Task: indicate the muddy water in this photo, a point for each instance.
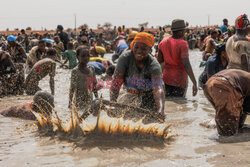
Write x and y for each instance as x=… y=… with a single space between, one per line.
x=194 y=145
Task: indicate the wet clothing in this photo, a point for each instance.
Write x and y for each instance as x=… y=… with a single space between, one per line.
x=138 y=81
x=174 y=50
x=41 y=69
x=11 y=80
x=17 y=53
x=7 y=66
x=71 y=56
x=173 y=91
x=229 y=91
x=34 y=56
x=235 y=47
x=80 y=85
x=213 y=66
x=99 y=67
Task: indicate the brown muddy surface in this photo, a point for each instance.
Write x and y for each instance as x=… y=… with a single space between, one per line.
x=21 y=144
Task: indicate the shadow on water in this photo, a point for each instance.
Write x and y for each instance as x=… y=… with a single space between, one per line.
x=242 y=136
x=106 y=142
x=180 y=100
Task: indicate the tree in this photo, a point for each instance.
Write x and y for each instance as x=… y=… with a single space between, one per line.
x=145 y=25
x=28 y=28
x=107 y=25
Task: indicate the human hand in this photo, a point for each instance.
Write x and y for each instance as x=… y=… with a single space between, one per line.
x=70 y=105
x=161 y=115
x=195 y=90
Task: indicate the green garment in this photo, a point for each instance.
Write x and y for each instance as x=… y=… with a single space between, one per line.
x=71 y=56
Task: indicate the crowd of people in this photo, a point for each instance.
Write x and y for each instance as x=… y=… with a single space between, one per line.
x=148 y=78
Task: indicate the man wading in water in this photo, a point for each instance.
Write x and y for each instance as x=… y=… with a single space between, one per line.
x=42 y=102
x=229 y=90
x=173 y=51
x=141 y=73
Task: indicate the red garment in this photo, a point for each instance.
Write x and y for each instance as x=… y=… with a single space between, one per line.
x=241 y=22
x=173 y=50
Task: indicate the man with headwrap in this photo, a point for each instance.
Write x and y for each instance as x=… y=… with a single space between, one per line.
x=18 y=55
x=141 y=74
x=229 y=90
x=238 y=46
x=16 y=51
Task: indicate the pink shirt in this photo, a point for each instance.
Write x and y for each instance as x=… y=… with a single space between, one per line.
x=173 y=50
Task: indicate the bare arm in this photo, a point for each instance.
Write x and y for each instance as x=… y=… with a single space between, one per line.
x=160 y=57
x=159 y=95
x=214 y=43
x=116 y=85
x=52 y=80
x=19 y=111
x=190 y=73
x=52 y=85
x=70 y=97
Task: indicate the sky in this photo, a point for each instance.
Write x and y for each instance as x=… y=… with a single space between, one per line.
x=40 y=14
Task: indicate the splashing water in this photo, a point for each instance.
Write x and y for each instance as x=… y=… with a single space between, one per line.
x=103 y=126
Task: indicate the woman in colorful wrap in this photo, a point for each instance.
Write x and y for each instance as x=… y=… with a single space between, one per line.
x=141 y=74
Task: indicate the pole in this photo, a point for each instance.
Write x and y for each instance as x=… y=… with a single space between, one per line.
x=75 y=24
x=208 y=20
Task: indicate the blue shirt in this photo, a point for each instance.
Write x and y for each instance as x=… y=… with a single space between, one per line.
x=121 y=48
x=99 y=67
x=213 y=66
x=223 y=28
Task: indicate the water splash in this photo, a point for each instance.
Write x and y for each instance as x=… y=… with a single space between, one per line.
x=104 y=126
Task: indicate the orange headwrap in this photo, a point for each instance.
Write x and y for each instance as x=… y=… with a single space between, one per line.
x=145 y=38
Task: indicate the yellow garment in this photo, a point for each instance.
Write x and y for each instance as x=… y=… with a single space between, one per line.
x=132 y=35
x=59 y=48
x=145 y=38
x=100 y=50
x=95 y=58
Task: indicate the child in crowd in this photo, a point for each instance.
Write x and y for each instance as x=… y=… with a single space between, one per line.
x=83 y=81
x=109 y=73
x=42 y=68
x=70 y=55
